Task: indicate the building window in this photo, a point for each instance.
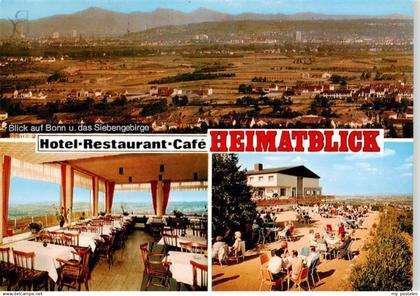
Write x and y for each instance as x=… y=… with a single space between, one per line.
x=271 y=178
x=251 y=179
x=260 y=179
x=260 y=192
x=282 y=191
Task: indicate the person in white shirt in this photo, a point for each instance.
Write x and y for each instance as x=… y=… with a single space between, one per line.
x=219 y=244
x=275 y=265
x=313 y=255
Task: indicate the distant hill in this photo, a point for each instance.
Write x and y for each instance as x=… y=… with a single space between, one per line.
x=101 y=22
x=281 y=29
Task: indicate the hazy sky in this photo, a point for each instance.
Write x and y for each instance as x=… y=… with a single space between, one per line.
x=42 y=8
x=342 y=174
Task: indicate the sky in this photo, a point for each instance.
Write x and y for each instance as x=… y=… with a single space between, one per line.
x=351 y=174
x=25 y=191
x=43 y=8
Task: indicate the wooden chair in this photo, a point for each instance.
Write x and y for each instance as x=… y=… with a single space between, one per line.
x=179 y=228
x=156 y=230
x=44 y=236
x=200 y=271
x=105 y=248
x=57 y=237
x=185 y=246
x=198 y=247
x=303 y=277
x=167 y=230
x=155 y=266
x=71 y=239
x=95 y=228
x=170 y=241
x=75 y=272
x=7 y=269
x=26 y=275
x=268 y=280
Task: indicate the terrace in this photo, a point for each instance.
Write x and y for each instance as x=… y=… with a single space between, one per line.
x=94 y=224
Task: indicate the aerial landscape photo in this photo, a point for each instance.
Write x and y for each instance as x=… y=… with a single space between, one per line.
x=184 y=66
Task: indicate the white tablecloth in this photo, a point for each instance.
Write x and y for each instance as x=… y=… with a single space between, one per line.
x=156 y=220
x=87 y=239
x=181 y=269
x=45 y=257
x=186 y=239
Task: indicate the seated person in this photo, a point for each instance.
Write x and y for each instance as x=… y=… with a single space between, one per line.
x=312 y=239
x=342 y=249
x=237 y=244
x=313 y=255
x=275 y=264
x=295 y=265
x=219 y=244
x=341 y=229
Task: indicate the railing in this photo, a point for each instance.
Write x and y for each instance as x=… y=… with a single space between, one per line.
x=304 y=199
x=20 y=225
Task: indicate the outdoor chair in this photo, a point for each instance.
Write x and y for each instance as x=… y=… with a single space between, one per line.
x=313 y=272
x=57 y=237
x=71 y=239
x=268 y=280
x=199 y=271
x=236 y=254
x=303 y=277
x=170 y=241
x=264 y=258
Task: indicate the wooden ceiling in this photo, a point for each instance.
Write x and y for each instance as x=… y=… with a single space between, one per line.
x=141 y=167
x=146 y=167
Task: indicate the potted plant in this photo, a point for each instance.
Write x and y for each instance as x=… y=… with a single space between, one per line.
x=59 y=215
x=82 y=217
x=101 y=213
x=178 y=214
x=124 y=212
x=35 y=227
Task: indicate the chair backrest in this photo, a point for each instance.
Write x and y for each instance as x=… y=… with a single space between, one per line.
x=43 y=235
x=71 y=239
x=57 y=237
x=198 y=247
x=199 y=272
x=96 y=228
x=329 y=228
x=167 y=230
x=185 y=246
x=179 y=229
x=23 y=260
x=264 y=258
x=170 y=240
x=4 y=255
x=304 y=273
x=266 y=274
x=242 y=247
x=291 y=229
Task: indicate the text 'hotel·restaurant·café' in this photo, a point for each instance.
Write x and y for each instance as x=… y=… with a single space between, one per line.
x=67 y=226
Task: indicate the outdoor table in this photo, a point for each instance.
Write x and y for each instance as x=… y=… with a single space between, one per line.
x=186 y=239
x=45 y=257
x=181 y=268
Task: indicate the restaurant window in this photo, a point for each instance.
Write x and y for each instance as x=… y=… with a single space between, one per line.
x=32 y=201
x=271 y=178
x=81 y=203
x=132 y=202
x=188 y=202
x=101 y=201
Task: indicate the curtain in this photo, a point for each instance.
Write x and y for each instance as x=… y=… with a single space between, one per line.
x=63 y=186
x=110 y=195
x=166 y=190
x=6 y=189
x=153 y=185
x=71 y=187
x=94 y=197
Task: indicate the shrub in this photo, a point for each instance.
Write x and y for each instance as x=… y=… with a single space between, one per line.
x=389 y=264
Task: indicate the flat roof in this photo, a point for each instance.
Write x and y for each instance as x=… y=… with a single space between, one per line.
x=299 y=171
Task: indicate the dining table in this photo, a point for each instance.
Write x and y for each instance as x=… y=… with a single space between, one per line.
x=181 y=268
x=45 y=257
x=185 y=239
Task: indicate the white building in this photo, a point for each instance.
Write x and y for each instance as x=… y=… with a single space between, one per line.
x=283 y=182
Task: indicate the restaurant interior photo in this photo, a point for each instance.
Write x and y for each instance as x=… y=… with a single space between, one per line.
x=102 y=222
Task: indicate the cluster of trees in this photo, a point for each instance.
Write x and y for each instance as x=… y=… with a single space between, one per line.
x=245 y=89
x=321 y=106
x=389 y=260
x=232 y=207
x=154 y=108
x=180 y=101
x=191 y=77
x=388 y=103
x=337 y=79
x=263 y=79
x=58 y=77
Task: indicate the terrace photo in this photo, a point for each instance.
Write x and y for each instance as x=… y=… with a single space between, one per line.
x=313 y=222
x=101 y=222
